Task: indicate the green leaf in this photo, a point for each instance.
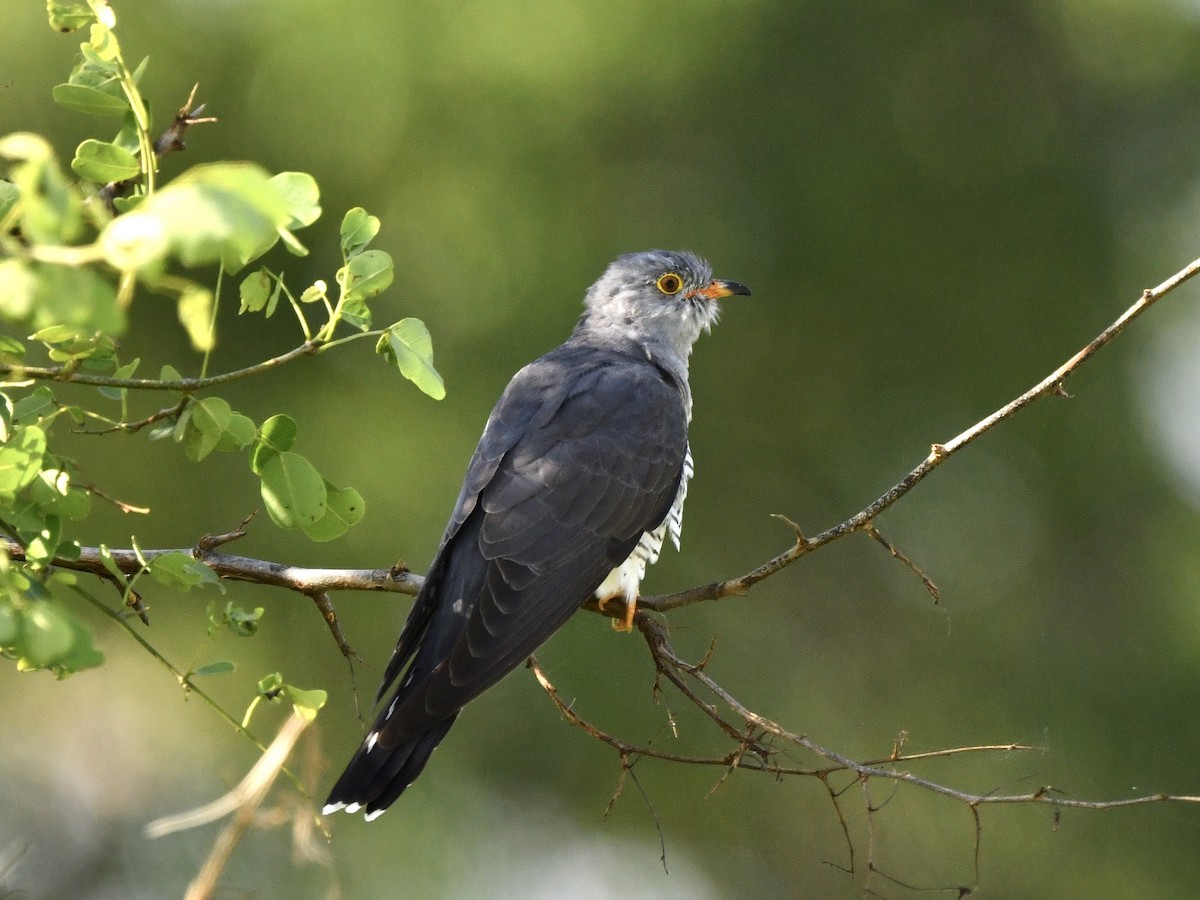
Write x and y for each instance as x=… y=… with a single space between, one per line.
x=220 y=667
x=10 y=195
x=358 y=229
x=277 y=434
x=133 y=242
x=39 y=549
x=344 y=507
x=100 y=162
x=292 y=490
x=366 y=275
x=9 y=625
x=33 y=406
x=292 y=244
x=125 y=371
x=227 y=212
x=241 y=622
x=78 y=299
x=306 y=703
x=110 y=565
x=211 y=415
x=89 y=100
x=26 y=146
x=315 y=292
x=21 y=459
x=407 y=344
x=127 y=137
x=69 y=16
x=56 y=334
x=240 y=432
x=208 y=420
x=82 y=655
x=54 y=494
x=52 y=209
x=10 y=347
x=181 y=572
x=300 y=195
x=46 y=635
x=269 y=686
x=255 y=291
x=18 y=288
x=196 y=315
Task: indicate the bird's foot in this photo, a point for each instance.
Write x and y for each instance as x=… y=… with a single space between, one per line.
x=625 y=623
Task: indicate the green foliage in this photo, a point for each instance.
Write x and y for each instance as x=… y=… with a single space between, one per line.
x=233 y=617
x=274 y=689
x=82 y=248
x=103 y=162
x=182 y=572
x=408 y=345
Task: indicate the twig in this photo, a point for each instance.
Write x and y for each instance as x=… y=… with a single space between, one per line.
x=168 y=142
x=65 y=373
x=170 y=412
x=119 y=504
x=329 y=614
x=664 y=655
x=870 y=529
x=243 y=801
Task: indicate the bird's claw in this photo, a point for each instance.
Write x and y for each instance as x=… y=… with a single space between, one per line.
x=624 y=623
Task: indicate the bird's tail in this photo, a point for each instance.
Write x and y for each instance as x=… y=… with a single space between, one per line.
x=377 y=775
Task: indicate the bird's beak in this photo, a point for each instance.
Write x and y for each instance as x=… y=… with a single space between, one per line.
x=718 y=288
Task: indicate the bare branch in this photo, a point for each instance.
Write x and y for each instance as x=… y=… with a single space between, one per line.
x=307 y=581
x=939 y=453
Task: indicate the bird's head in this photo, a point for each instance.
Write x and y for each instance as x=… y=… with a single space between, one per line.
x=663 y=297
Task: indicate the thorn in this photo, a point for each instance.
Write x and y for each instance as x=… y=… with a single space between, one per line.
x=934 y=591
x=800 y=538
x=325 y=605
x=210 y=542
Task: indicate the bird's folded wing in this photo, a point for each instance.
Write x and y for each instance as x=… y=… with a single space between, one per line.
x=583 y=453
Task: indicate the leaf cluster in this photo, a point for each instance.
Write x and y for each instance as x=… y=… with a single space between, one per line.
x=83 y=247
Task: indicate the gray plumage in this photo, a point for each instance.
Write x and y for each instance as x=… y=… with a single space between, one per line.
x=582 y=468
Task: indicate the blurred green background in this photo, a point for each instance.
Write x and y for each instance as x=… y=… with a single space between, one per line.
x=934 y=202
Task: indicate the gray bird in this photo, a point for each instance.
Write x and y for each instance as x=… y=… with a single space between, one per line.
x=580 y=474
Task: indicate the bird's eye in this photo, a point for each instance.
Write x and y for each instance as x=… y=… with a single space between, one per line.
x=670 y=283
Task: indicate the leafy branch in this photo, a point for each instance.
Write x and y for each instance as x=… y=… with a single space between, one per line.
x=76 y=256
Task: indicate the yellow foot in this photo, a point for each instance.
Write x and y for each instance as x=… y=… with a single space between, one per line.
x=625 y=623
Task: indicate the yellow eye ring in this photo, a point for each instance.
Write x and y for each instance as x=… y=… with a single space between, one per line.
x=669 y=284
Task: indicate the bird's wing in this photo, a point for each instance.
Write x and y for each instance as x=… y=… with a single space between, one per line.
x=582 y=454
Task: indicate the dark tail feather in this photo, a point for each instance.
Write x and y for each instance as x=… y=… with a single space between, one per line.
x=377 y=775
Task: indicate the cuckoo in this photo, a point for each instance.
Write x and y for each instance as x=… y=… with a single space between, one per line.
x=579 y=477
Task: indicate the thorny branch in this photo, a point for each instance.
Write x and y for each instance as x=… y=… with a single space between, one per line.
x=759 y=744
x=168 y=142
x=938 y=454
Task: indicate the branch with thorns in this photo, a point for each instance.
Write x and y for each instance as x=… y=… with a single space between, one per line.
x=169 y=141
